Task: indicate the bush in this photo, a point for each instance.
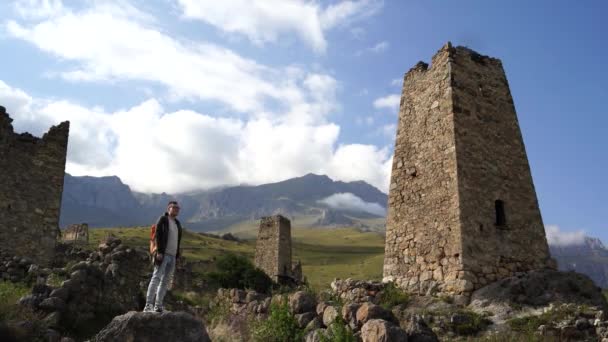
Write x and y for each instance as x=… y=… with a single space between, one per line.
x=470 y=323
x=235 y=271
x=10 y=311
x=280 y=326
x=392 y=295
x=9 y=295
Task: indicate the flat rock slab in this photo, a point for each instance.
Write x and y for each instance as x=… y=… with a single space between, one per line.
x=539 y=288
x=151 y=327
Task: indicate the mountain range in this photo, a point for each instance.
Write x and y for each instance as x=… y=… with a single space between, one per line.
x=108 y=202
x=589 y=257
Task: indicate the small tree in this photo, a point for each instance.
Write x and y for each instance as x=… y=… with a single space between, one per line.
x=234 y=271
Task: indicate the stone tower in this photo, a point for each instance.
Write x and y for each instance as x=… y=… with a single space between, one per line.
x=462 y=206
x=31 y=183
x=273 y=247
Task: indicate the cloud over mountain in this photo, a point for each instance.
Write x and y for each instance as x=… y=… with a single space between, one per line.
x=348 y=201
x=557 y=237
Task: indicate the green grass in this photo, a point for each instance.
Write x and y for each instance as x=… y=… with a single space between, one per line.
x=9 y=295
x=391 y=296
x=531 y=323
x=325 y=253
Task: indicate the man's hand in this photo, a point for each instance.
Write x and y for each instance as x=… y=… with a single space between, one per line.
x=159 y=257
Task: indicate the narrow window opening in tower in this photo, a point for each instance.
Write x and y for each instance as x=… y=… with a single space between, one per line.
x=501 y=219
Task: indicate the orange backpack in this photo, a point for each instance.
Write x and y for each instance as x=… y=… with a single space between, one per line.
x=153 y=246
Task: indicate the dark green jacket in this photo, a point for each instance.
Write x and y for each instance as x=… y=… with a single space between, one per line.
x=162 y=235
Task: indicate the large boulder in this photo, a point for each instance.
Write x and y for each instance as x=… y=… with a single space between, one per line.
x=379 y=330
x=151 y=327
x=302 y=302
x=369 y=311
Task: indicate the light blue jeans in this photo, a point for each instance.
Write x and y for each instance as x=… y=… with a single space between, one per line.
x=160 y=280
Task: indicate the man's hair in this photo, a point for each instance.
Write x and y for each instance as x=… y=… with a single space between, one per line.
x=171 y=202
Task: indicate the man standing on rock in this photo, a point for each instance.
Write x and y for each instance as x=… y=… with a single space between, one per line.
x=168 y=237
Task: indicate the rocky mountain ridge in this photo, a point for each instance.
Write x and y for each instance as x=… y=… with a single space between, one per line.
x=108 y=202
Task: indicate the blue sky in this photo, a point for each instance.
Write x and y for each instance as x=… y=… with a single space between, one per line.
x=231 y=92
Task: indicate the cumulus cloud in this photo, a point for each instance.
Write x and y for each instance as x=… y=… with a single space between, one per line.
x=349 y=201
x=154 y=150
x=116 y=42
x=557 y=237
x=266 y=20
x=284 y=133
x=390 y=101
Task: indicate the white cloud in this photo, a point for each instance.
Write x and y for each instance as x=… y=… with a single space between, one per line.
x=349 y=201
x=354 y=162
x=285 y=134
x=153 y=150
x=397 y=82
x=34 y=9
x=557 y=237
x=378 y=48
x=389 y=101
x=118 y=43
x=266 y=20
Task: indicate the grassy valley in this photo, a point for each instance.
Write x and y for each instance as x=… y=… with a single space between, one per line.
x=325 y=253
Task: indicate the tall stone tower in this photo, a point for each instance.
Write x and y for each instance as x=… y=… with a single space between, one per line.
x=462 y=206
x=273 y=247
x=31 y=183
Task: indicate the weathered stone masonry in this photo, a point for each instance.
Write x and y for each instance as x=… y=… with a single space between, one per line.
x=273 y=247
x=462 y=206
x=31 y=183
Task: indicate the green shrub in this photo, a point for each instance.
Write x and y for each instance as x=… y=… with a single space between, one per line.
x=217 y=313
x=235 y=271
x=55 y=280
x=392 y=295
x=338 y=332
x=473 y=323
x=280 y=326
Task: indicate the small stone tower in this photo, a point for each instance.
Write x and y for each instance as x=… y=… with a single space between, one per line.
x=273 y=247
x=31 y=183
x=462 y=206
x=77 y=234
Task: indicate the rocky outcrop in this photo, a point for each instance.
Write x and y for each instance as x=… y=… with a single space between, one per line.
x=538 y=289
x=152 y=327
x=108 y=282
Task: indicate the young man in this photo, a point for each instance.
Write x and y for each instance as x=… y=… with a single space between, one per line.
x=168 y=238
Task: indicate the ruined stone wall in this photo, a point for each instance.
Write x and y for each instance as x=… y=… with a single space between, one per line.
x=31 y=183
x=273 y=246
x=458 y=150
x=77 y=233
x=422 y=231
x=493 y=166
